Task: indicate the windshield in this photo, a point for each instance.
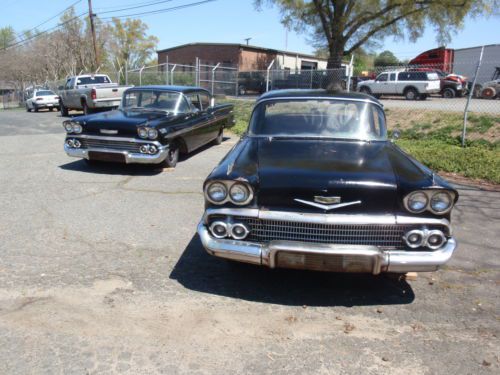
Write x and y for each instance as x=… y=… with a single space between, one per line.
x=155 y=100
x=44 y=93
x=326 y=118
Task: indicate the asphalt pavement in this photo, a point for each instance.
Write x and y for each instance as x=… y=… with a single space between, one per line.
x=101 y=272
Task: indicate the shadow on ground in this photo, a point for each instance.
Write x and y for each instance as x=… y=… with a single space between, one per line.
x=111 y=168
x=196 y=270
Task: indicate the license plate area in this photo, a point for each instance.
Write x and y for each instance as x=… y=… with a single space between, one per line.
x=107 y=156
x=325 y=262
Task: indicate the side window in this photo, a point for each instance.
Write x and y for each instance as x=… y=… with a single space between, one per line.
x=68 y=84
x=205 y=100
x=382 y=77
x=392 y=77
x=195 y=101
x=403 y=76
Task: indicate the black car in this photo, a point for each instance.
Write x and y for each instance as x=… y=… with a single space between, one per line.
x=315 y=184
x=153 y=125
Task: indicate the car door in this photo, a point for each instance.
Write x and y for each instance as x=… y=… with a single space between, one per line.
x=391 y=84
x=211 y=130
x=381 y=83
x=197 y=136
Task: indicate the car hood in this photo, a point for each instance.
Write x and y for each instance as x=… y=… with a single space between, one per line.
x=124 y=123
x=283 y=171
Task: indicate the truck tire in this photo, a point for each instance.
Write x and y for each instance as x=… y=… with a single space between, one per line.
x=411 y=93
x=488 y=93
x=86 y=109
x=449 y=93
x=63 y=109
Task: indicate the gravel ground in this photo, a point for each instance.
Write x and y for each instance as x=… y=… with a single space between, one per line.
x=101 y=272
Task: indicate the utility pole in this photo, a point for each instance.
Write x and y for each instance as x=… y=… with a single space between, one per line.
x=92 y=29
x=247 y=40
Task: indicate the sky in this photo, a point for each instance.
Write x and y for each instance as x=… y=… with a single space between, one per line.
x=227 y=21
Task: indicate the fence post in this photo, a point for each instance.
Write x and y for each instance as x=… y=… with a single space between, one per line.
x=213 y=76
x=140 y=75
x=349 y=74
x=197 y=72
x=166 y=71
x=469 y=97
x=126 y=74
x=172 y=74
x=267 y=76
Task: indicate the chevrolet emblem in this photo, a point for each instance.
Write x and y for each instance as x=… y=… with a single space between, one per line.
x=327 y=200
x=107 y=131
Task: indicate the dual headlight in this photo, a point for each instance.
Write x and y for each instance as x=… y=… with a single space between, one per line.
x=72 y=127
x=436 y=201
x=147 y=133
x=236 y=192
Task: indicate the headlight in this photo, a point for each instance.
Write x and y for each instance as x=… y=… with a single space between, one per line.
x=152 y=133
x=143 y=133
x=216 y=192
x=441 y=202
x=239 y=193
x=417 y=202
x=77 y=128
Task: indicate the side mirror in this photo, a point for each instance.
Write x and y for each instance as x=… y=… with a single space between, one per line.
x=396 y=134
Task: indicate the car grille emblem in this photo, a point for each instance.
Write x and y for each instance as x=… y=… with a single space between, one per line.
x=327 y=200
x=327 y=203
x=107 y=131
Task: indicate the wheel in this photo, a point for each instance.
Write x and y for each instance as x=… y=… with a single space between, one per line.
x=411 y=94
x=220 y=137
x=449 y=93
x=27 y=108
x=242 y=90
x=63 y=109
x=488 y=93
x=365 y=90
x=86 y=109
x=35 y=108
x=172 y=156
x=57 y=108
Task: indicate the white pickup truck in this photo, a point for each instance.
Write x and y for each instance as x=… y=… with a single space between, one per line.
x=89 y=92
x=412 y=85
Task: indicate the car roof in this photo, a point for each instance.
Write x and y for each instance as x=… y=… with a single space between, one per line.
x=299 y=93
x=182 y=89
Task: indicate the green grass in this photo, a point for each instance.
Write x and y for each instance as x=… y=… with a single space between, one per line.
x=433 y=138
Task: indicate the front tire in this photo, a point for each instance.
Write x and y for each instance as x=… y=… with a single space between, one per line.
x=220 y=137
x=449 y=93
x=172 y=156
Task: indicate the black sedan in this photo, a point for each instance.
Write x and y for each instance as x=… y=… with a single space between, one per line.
x=315 y=184
x=153 y=125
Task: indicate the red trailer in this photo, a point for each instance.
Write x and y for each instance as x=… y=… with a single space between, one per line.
x=438 y=58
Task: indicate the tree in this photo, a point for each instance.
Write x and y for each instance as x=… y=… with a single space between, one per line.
x=7 y=36
x=343 y=26
x=386 y=58
x=128 y=43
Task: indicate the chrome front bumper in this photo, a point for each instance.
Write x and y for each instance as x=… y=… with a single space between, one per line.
x=130 y=157
x=399 y=261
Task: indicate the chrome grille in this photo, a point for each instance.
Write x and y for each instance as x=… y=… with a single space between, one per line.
x=112 y=145
x=381 y=235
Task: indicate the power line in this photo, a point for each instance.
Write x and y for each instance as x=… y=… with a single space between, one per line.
x=157 y=11
x=51 y=18
x=135 y=6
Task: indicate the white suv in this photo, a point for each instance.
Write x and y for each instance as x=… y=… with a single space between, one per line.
x=41 y=98
x=412 y=85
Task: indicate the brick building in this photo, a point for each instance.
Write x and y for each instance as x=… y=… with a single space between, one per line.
x=244 y=57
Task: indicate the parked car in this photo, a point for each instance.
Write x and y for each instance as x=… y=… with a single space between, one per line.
x=41 y=98
x=452 y=85
x=248 y=82
x=153 y=126
x=412 y=85
x=316 y=184
x=90 y=92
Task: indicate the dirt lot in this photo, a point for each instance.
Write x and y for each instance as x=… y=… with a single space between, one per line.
x=101 y=272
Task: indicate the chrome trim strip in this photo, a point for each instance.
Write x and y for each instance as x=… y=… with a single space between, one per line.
x=118 y=139
x=319 y=98
x=321 y=218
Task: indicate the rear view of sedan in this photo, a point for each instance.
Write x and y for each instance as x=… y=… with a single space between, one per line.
x=40 y=99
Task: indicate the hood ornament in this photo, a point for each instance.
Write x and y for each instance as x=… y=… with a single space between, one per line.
x=319 y=203
x=108 y=131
